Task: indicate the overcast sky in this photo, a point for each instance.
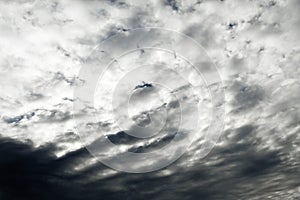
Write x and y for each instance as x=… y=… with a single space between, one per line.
x=250 y=49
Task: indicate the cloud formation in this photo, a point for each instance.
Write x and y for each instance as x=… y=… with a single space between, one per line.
x=255 y=45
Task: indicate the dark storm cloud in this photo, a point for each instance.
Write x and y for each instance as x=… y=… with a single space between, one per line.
x=238 y=169
x=36 y=173
x=28 y=173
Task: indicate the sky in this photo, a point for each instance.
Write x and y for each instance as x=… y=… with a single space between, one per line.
x=162 y=99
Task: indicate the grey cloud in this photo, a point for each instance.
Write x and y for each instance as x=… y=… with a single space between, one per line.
x=122 y=138
x=202 y=33
x=172 y=3
x=33 y=96
x=39 y=115
x=258 y=156
x=238 y=169
x=246 y=96
x=71 y=81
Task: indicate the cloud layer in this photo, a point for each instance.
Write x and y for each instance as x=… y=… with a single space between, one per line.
x=255 y=46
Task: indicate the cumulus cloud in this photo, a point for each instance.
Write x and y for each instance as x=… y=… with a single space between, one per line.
x=254 y=44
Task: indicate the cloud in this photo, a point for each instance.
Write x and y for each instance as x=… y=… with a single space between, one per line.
x=246 y=96
x=39 y=115
x=255 y=45
x=237 y=168
x=34 y=173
